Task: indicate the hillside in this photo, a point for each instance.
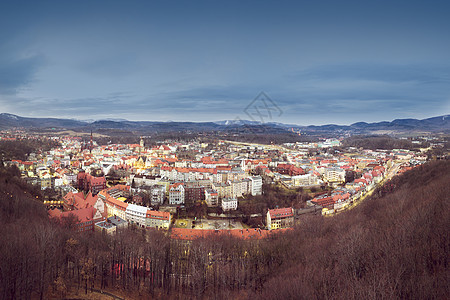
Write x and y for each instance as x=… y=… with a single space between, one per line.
x=440 y=124
x=392 y=246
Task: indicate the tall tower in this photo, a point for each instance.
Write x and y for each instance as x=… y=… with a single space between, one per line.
x=91 y=144
x=142 y=142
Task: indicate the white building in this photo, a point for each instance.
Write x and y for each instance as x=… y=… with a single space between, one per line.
x=142 y=180
x=334 y=175
x=158 y=193
x=256 y=188
x=305 y=180
x=69 y=178
x=211 y=197
x=229 y=204
x=136 y=214
x=176 y=194
x=239 y=188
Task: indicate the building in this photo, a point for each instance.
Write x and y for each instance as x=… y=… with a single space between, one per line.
x=74 y=201
x=239 y=188
x=111 y=225
x=118 y=222
x=114 y=200
x=336 y=175
x=69 y=178
x=90 y=183
x=229 y=204
x=136 y=214
x=176 y=194
x=157 y=219
x=85 y=217
x=280 y=218
x=158 y=195
x=305 y=180
x=211 y=197
x=256 y=186
x=105 y=227
x=288 y=169
x=46 y=183
x=143 y=180
x=194 y=194
x=223 y=189
x=139 y=215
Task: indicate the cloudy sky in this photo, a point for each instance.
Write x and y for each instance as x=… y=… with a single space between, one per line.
x=318 y=61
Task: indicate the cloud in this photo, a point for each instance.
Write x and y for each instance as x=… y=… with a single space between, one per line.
x=18 y=73
x=315 y=62
x=391 y=73
x=368 y=86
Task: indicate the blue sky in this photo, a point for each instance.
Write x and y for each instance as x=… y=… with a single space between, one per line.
x=320 y=61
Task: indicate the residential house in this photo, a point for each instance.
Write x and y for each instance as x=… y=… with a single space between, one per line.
x=280 y=218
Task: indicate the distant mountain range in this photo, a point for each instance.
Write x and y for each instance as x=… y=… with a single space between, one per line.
x=435 y=125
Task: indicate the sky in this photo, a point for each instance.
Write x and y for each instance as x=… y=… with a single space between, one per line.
x=316 y=62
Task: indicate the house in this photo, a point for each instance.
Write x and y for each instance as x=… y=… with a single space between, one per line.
x=211 y=197
x=239 y=188
x=158 y=195
x=194 y=194
x=256 y=185
x=223 y=189
x=229 y=204
x=46 y=182
x=105 y=227
x=305 y=180
x=280 y=218
x=118 y=222
x=334 y=175
x=324 y=201
x=158 y=219
x=176 y=194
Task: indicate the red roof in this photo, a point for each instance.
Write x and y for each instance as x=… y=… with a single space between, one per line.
x=252 y=233
x=158 y=214
x=360 y=180
x=278 y=213
x=83 y=215
x=111 y=200
x=324 y=202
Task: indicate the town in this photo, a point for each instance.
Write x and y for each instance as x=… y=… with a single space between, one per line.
x=192 y=189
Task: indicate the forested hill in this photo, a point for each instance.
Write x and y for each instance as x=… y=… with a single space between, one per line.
x=392 y=246
x=434 y=124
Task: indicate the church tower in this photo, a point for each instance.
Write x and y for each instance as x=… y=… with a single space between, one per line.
x=91 y=144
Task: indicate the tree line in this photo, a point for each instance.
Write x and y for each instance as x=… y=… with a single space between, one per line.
x=383 y=142
x=21 y=148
